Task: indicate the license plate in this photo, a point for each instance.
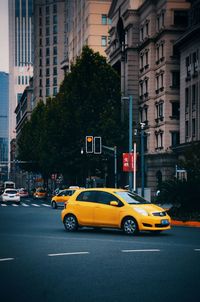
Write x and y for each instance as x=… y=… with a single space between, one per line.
x=164 y=221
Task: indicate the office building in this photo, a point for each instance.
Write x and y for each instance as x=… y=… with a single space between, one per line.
x=50 y=46
x=20 y=54
x=4 y=82
x=89 y=27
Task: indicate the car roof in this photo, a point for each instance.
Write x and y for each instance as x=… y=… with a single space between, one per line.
x=104 y=189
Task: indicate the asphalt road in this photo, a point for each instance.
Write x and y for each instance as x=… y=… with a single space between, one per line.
x=41 y=262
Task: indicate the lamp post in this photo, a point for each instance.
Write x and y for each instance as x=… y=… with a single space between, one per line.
x=142 y=158
x=130 y=149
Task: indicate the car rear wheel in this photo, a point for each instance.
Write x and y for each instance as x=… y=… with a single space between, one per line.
x=54 y=205
x=130 y=226
x=70 y=223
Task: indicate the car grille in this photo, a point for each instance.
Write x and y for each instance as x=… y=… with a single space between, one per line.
x=159 y=225
x=160 y=214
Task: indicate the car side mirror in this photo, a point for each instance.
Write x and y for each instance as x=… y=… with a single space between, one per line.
x=114 y=203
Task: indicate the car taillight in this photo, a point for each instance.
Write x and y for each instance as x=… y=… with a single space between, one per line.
x=5 y=194
x=17 y=194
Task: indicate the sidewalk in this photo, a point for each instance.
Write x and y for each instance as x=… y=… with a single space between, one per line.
x=195 y=224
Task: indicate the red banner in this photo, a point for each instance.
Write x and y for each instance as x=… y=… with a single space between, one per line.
x=128 y=162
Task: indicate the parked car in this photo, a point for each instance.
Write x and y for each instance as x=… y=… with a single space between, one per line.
x=23 y=192
x=40 y=193
x=10 y=195
x=62 y=197
x=113 y=208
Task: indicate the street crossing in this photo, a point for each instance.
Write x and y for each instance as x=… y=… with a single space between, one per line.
x=23 y=204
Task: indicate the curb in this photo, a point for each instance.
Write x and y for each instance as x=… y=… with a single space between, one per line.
x=195 y=224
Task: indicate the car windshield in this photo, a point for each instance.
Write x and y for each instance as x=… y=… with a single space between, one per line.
x=11 y=191
x=132 y=198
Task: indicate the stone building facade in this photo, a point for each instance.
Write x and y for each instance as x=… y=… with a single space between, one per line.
x=148 y=31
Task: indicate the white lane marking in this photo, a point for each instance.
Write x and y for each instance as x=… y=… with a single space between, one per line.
x=45 y=205
x=35 y=205
x=135 y=251
x=67 y=254
x=6 y=259
x=4 y=205
x=25 y=205
x=15 y=205
x=197 y=250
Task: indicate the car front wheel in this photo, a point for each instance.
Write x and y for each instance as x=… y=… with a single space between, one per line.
x=70 y=223
x=130 y=226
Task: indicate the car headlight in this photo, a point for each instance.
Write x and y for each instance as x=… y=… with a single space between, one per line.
x=141 y=211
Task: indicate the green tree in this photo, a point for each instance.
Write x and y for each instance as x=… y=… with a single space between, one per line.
x=89 y=103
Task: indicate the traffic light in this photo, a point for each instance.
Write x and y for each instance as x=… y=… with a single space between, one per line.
x=89 y=144
x=97 y=145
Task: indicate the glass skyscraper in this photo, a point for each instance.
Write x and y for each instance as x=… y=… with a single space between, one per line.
x=20 y=54
x=4 y=80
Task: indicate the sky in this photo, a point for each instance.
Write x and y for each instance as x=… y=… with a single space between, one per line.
x=4 y=35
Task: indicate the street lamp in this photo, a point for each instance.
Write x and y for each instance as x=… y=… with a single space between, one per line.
x=130 y=149
x=142 y=158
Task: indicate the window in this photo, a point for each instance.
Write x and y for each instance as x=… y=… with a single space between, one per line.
x=106 y=198
x=47 y=51
x=55 y=81
x=55 y=19
x=55 y=61
x=193 y=95
x=19 y=80
x=47 y=82
x=40 y=52
x=175 y=109
x=88 y=196
x=40 y=73
x=40 y=94
x=159 y=111
x=40 y=83
x=47 y=31
x=40 y=31
x=103 y=41
x=40 y=62
x=47 y=71
x=47 y=61
x=104 y=19
x=159 y=139
x=186 y=129
x=47 y=20
x=55 y=29
x=47 y=10
x=55 y=71
x=195 y=62
x=54 y=8
x=188 y=66
x=55 y=40
x=55 y=50
x=186 y=99
x=54 y=91
x=180 y=18
x=175 y=79
x=47 y=41
x=47 y=91
x=193 y=127
x=175 y=138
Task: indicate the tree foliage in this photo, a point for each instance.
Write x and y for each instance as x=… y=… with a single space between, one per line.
x=88 y=103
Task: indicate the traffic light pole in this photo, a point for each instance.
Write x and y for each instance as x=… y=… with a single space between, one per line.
x=130 y=138
x=115 y=161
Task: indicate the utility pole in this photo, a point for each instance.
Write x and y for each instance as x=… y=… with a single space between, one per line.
x=142 y=158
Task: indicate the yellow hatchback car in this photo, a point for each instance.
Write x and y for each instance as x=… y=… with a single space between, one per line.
x=113 y=208
x=62 y=197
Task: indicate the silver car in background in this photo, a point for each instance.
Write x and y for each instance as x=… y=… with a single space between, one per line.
x=10 y=195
